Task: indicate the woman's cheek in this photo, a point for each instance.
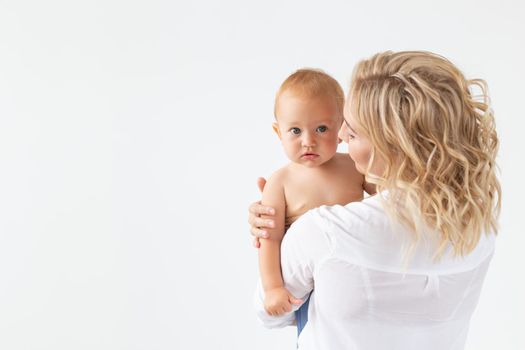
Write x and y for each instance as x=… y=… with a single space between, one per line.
x=359 y=154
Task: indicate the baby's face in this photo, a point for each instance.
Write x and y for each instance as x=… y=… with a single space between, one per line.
x=308 y=128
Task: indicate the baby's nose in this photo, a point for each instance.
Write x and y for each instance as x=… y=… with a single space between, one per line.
x=308 y=140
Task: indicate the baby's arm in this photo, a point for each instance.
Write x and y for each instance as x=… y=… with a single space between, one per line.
x=277 y=298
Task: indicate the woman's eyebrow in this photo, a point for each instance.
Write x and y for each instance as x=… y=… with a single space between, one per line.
x=349 y=127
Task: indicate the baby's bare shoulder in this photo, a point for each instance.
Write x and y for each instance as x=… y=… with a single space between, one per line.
x=280 y=176
x=345 y=165
x=344 y=162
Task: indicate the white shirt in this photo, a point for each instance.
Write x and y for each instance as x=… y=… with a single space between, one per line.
x=365 y=298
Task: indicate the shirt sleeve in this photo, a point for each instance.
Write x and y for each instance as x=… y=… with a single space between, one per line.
x=304 y=246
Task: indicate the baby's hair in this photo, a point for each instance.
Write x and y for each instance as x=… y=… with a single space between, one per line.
x=312 y=83
x=438 y=142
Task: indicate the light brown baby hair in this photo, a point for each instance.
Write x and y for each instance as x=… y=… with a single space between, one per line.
x=312 y=83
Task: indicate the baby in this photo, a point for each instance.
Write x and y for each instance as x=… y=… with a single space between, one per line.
x=309 y=113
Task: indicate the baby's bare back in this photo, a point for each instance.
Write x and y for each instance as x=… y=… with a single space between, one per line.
x=306 y=188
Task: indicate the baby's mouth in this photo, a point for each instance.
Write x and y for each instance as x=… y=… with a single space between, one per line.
x=309 y=155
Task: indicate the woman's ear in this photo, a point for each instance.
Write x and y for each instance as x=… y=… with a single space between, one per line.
x=275 y=128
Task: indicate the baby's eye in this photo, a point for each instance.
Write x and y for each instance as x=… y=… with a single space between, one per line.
x=295 y=131
x=321 y=128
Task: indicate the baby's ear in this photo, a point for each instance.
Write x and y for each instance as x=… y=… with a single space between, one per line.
x=275 y=128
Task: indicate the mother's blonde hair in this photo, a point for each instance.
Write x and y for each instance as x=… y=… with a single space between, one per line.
x=438 y=143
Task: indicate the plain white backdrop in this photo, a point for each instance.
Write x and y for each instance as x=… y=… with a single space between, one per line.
x=131 y=137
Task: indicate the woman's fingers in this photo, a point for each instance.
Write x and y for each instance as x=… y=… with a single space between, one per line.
x=258 y=232
x=258 y=224
x=254 y=218
x=257 y=209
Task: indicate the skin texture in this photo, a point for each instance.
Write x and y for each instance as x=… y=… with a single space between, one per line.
x=359 y=146
x=261 y=216
x=307 y=129
x=317 y=175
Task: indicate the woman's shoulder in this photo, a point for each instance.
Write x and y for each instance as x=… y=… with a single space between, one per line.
x=363 y=233
x=353 y=232
x=308 y=236
x=365 y=219
x=367 y=212
x=351 y=213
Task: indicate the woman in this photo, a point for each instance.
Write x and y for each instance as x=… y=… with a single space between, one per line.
x=402 y=269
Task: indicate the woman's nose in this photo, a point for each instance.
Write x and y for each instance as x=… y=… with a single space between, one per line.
x=341 y=133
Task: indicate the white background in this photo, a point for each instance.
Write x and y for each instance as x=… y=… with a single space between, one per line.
x=131 y=136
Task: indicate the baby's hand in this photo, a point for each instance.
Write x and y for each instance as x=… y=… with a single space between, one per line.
x=278 y=301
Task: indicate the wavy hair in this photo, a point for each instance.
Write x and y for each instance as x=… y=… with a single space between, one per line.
x=438 y=143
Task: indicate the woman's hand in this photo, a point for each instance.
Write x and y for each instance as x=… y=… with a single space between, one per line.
x=258 y=224
x=278 y=301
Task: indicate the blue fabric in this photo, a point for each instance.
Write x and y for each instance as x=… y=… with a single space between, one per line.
x=301 y=316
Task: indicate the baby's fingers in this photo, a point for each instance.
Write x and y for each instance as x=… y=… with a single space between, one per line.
x=279 y=309
x=294 y=300
x=270 y=311
x=285 y=307
x=283 y=310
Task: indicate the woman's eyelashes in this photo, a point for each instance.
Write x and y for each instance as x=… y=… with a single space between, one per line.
x=348 y=132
